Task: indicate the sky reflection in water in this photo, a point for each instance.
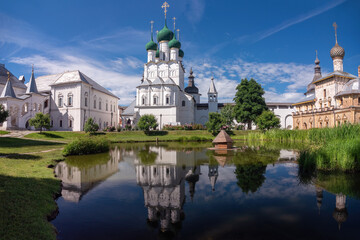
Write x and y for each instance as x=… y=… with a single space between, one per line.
x=173 y=191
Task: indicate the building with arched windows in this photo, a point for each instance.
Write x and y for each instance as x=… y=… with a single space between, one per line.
x=330 y=100
x=66 y=97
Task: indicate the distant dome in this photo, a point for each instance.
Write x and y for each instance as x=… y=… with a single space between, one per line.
x=337 y=52
x=192 y=90
x=151 y=46
x=157 y=55
x=174 y=43
x=165 y=34
x=181 y=53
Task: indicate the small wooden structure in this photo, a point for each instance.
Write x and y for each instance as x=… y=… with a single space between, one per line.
x=223 y=141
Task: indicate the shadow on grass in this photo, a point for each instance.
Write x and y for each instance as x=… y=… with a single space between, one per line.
x=50 y=135
x=29 y=203
x=19 y=156
x=8 y=142
x=156 y=133
x=97 y=134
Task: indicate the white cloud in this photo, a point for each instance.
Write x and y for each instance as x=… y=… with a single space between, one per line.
x=291 y=77
x=121 y=84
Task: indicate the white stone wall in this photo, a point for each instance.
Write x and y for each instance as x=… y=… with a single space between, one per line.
x=284 y=113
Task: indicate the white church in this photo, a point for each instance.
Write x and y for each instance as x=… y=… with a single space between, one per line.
x=162 y=90
x=70 y=98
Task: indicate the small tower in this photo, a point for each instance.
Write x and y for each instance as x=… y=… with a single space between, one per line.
x=213 y=175
x=212 y=97
x=8 y=89
x=340 y=213
x=337 y=53
x=174 y=46
x=163 y=37
x=317 y=75
x=151 y=47
x=191 y=88
x=32 y=84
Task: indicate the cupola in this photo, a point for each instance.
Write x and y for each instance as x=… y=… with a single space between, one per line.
x=174 y=43
x=165 y=34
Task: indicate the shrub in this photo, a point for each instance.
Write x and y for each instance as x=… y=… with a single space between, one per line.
x=215 y=123
x=3 y=114
x=267 y=120
x=147 y=122
x=90 y=126
x=86 y=145
x=127 y=127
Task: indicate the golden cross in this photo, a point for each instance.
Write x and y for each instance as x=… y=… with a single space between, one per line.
x=174 y=18
x=8 y=76
x=335 y=27
x=165 y=6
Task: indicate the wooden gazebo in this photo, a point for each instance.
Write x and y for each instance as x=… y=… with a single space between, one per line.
x=223 y=141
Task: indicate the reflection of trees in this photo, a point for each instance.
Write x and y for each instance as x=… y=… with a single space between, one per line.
x=146 y=156
x=340 y=183
x=250 y=176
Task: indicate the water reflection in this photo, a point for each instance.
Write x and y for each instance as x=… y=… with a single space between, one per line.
x=247 y=186
x=82 y=173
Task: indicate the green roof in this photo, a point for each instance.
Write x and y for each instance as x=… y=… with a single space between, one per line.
x=157 y=54
x=165 y=34
x=174 y=43
x=181 y=53
x=151 y=46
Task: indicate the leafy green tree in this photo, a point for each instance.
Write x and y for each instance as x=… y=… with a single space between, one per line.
x=249 y=101
x=250 y=176
x=215 y=123
x=90 y=126
x=40 y=121
x=3 y=114
x=227 y=114
x=267 y=120
x=147 y=122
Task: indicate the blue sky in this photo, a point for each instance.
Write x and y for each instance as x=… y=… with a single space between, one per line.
x=271 y=41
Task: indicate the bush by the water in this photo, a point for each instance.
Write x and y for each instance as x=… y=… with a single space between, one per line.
x=90 y=126
x=88 y=145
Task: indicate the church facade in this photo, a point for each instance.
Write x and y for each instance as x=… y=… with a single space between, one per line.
x=70 y=98
x=162 y=91
x=330 y=100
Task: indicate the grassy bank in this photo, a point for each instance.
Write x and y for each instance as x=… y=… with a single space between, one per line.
x=27 y=188
x=137 y=136
x=329 y=149
x=3 y=132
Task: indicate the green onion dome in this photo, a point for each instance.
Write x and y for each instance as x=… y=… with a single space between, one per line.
x=181 y=53
x=174 y=43
x=151 y=46
x=157 y=54
x=165 y=34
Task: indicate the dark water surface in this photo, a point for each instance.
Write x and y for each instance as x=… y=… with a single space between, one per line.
x=177 y=191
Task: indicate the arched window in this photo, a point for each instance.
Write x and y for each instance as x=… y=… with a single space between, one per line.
x=70 y=99
x=46 y=103
x=107 y=106
x=40 y=107
x=60 y=124
x=99 y=103
x=167 y=99
x=155 y=100
x=70 y=123
x=324 y=93
x=86 y=99
x=95 y=102
x=183 y=103
x=35 y=107
x=60 y=100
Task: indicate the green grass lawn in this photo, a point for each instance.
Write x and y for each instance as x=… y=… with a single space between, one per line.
x=27 y=188
x=3 y=132
x=134 y=136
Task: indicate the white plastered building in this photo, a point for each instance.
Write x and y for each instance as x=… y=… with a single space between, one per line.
x=70 y=98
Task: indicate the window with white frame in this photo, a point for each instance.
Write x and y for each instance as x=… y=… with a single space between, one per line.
x=60 y=100
x=70 y=99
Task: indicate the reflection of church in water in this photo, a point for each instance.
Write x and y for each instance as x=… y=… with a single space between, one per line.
x=340 y=213
x=163 y=184
x=77 y=180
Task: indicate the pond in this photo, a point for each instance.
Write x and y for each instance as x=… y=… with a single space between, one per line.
x=186 y=191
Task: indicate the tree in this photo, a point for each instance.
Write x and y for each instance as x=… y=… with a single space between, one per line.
x=250 y=176
x=40 y=121
x=267 y=120
x=227 y=114
x=249 y=101
x=90 y=126
x=147 y=122
x=3 y=114
x=215 y=123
